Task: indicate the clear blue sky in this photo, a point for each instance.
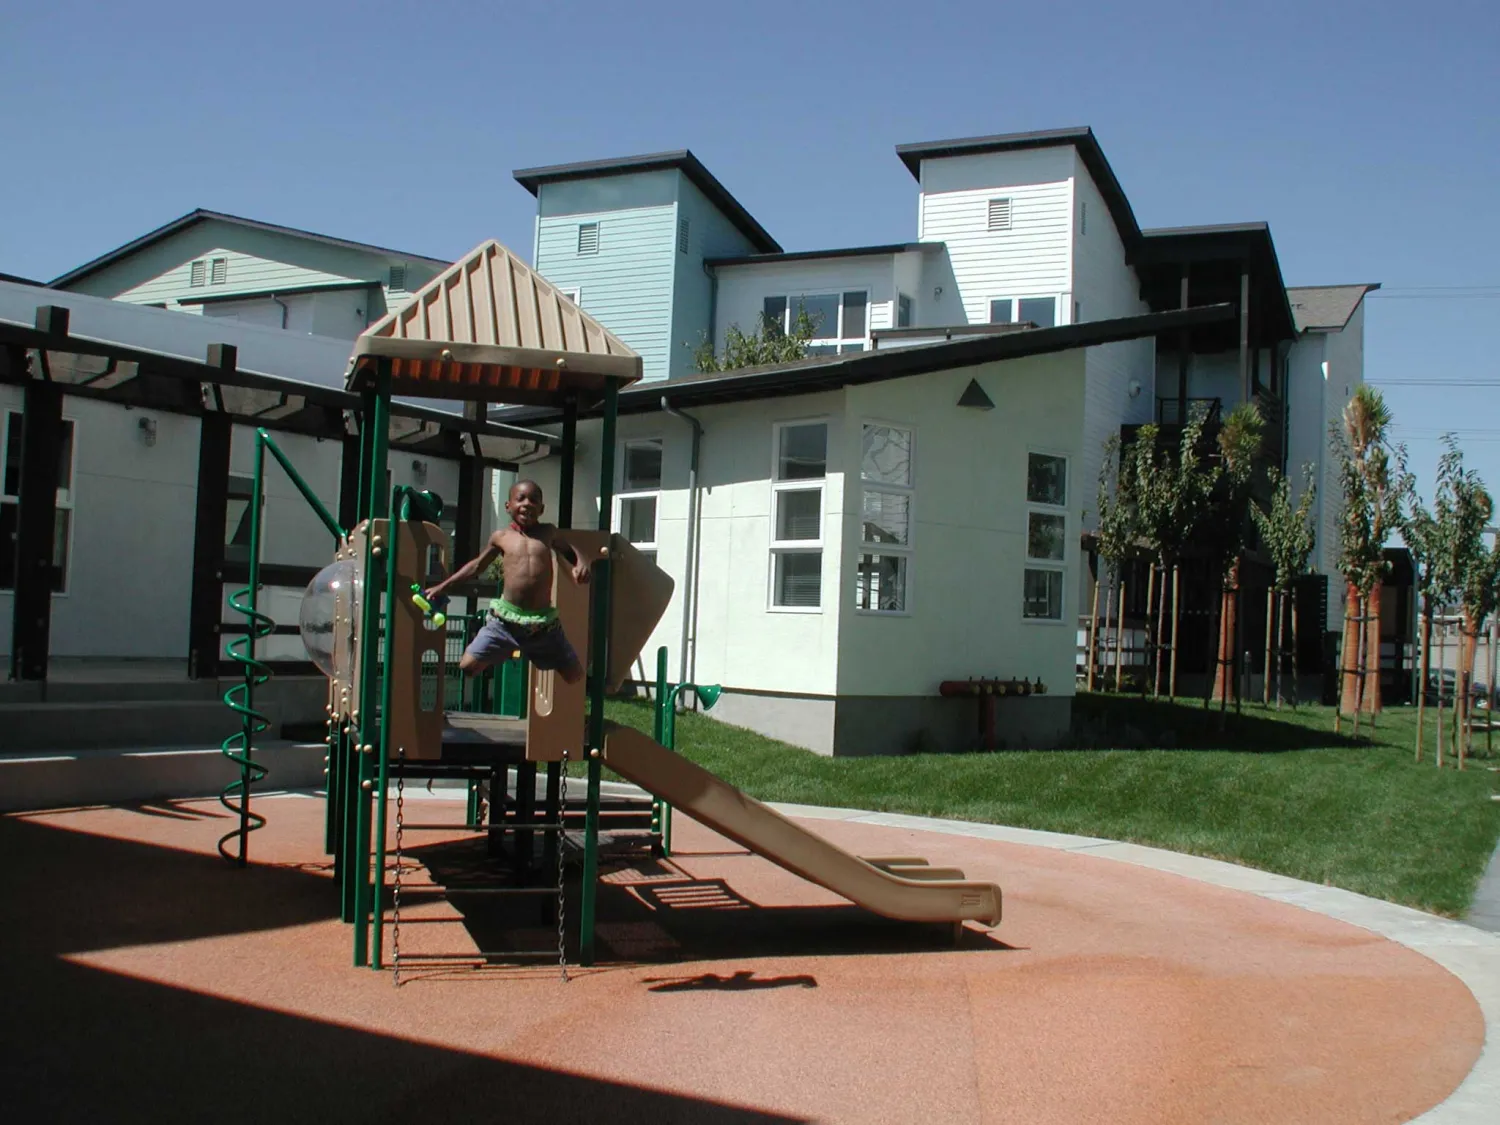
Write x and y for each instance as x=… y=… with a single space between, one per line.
x=1365 y=133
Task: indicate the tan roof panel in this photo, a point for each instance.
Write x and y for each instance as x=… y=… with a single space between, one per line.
x=490 y=329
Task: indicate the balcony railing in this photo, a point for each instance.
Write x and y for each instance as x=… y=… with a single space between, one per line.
x=1169 y=411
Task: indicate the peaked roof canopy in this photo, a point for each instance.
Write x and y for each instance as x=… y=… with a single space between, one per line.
x=490 y=329
x=200 y=216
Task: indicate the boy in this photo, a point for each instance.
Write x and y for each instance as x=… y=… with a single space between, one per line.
x=525 y=620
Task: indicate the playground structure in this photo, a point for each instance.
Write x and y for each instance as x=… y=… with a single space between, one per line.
x=490 y=332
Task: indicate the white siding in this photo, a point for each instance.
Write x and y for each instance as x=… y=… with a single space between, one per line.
x=743 y=289
x=1105 y=287
x=969 y=536
x=342 y=313
x=742 y=644
x=1031 y=259
x=908 y=282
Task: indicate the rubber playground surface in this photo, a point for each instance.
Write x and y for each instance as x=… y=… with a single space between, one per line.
x=148 y=980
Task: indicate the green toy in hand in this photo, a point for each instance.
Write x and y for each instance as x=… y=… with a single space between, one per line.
x=419 y=599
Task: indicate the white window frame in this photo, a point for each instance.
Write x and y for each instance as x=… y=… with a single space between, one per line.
x=1057 y=566
x=573 y=293
x=1015 y=308
x=640 y=494
x=863 y=547
x=911 y=314
x=780 y=547
x=840 y=342
x=63 y=503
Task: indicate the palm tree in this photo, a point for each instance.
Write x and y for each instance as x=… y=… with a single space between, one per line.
x=1289 y=538
x=1370 y=475
x=1226 y=533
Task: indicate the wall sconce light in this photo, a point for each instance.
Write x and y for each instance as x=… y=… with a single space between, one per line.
x=1134 y=388
x=419 y=471
x=147 y=426
x=937 y=292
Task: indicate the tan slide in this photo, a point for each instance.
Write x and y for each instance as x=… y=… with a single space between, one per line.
x=896 y=887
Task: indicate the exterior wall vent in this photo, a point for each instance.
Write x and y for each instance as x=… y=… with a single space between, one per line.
x=588 y=238
x=398 y=278
x=683 y=240
x=219 y=271
x=999 y=214
x=198 y=274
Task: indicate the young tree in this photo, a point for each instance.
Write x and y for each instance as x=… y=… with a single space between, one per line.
x=1370 y=473
x=1424 y=534
x=1171 y=490
x=1227 y=530
x=767 y=345
x=1118 y=537
x=1474 y=571
x=1289 y=538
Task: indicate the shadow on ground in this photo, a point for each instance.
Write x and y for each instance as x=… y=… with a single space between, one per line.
x=1126 y=722
x=87 y=1045
x=652 y=911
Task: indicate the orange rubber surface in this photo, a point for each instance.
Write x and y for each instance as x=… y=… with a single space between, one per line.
x=146 y=980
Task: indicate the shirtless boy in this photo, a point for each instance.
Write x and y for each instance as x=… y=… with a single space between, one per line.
x=525 y=620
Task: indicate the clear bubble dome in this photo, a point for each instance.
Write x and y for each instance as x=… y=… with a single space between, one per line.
x=334 y=592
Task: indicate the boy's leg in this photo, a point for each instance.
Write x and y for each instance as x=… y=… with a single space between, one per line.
x=550 y=651
x=492 y=645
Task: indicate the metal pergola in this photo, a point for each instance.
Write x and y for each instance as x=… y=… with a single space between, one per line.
x=51 y=363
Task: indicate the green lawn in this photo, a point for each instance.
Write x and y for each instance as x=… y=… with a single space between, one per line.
x=1272 y=790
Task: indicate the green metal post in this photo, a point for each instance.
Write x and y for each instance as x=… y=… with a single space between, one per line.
x=598 y=675
x=669 y=731
x=659 y=810
x=400 y=510
x=350 y=777
x=370 y=682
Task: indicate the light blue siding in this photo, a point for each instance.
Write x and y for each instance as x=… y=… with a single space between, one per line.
x=710 y=235
x=627 y=284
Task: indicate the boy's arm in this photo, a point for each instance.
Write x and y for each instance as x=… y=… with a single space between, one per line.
x=471 y=569
x=572 y=555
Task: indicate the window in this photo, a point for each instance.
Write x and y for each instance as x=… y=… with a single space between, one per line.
x=903 y=311
x=640 y=488
x=218 y=272
x=10 y=502
x=800 y=450
x=574 y=294
x=1041 y=311
x=840 y=320
x=881 y=581
x=198 y=273
x=1077 y=312
x=999 y=214
x=1046 y=536
x=683 y=236
x=588 y=238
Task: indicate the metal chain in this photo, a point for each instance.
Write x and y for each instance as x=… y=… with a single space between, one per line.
x=562 y=806
x=396 y=892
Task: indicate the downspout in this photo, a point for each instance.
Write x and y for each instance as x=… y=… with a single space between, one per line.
x=275 y=300
x=686 y=667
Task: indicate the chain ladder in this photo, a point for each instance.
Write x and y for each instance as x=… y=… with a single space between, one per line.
x=396 y=890
x=562 y=808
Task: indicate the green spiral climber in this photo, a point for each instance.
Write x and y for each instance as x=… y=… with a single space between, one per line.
x=241 y=700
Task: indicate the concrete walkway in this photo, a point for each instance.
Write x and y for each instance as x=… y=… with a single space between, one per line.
x=1485 y=910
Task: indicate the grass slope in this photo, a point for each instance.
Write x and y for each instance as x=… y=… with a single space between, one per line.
x=1271 y=790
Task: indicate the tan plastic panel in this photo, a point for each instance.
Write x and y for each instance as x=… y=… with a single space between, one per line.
x=414 y=729
x=766 y=832
x=555 y=716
